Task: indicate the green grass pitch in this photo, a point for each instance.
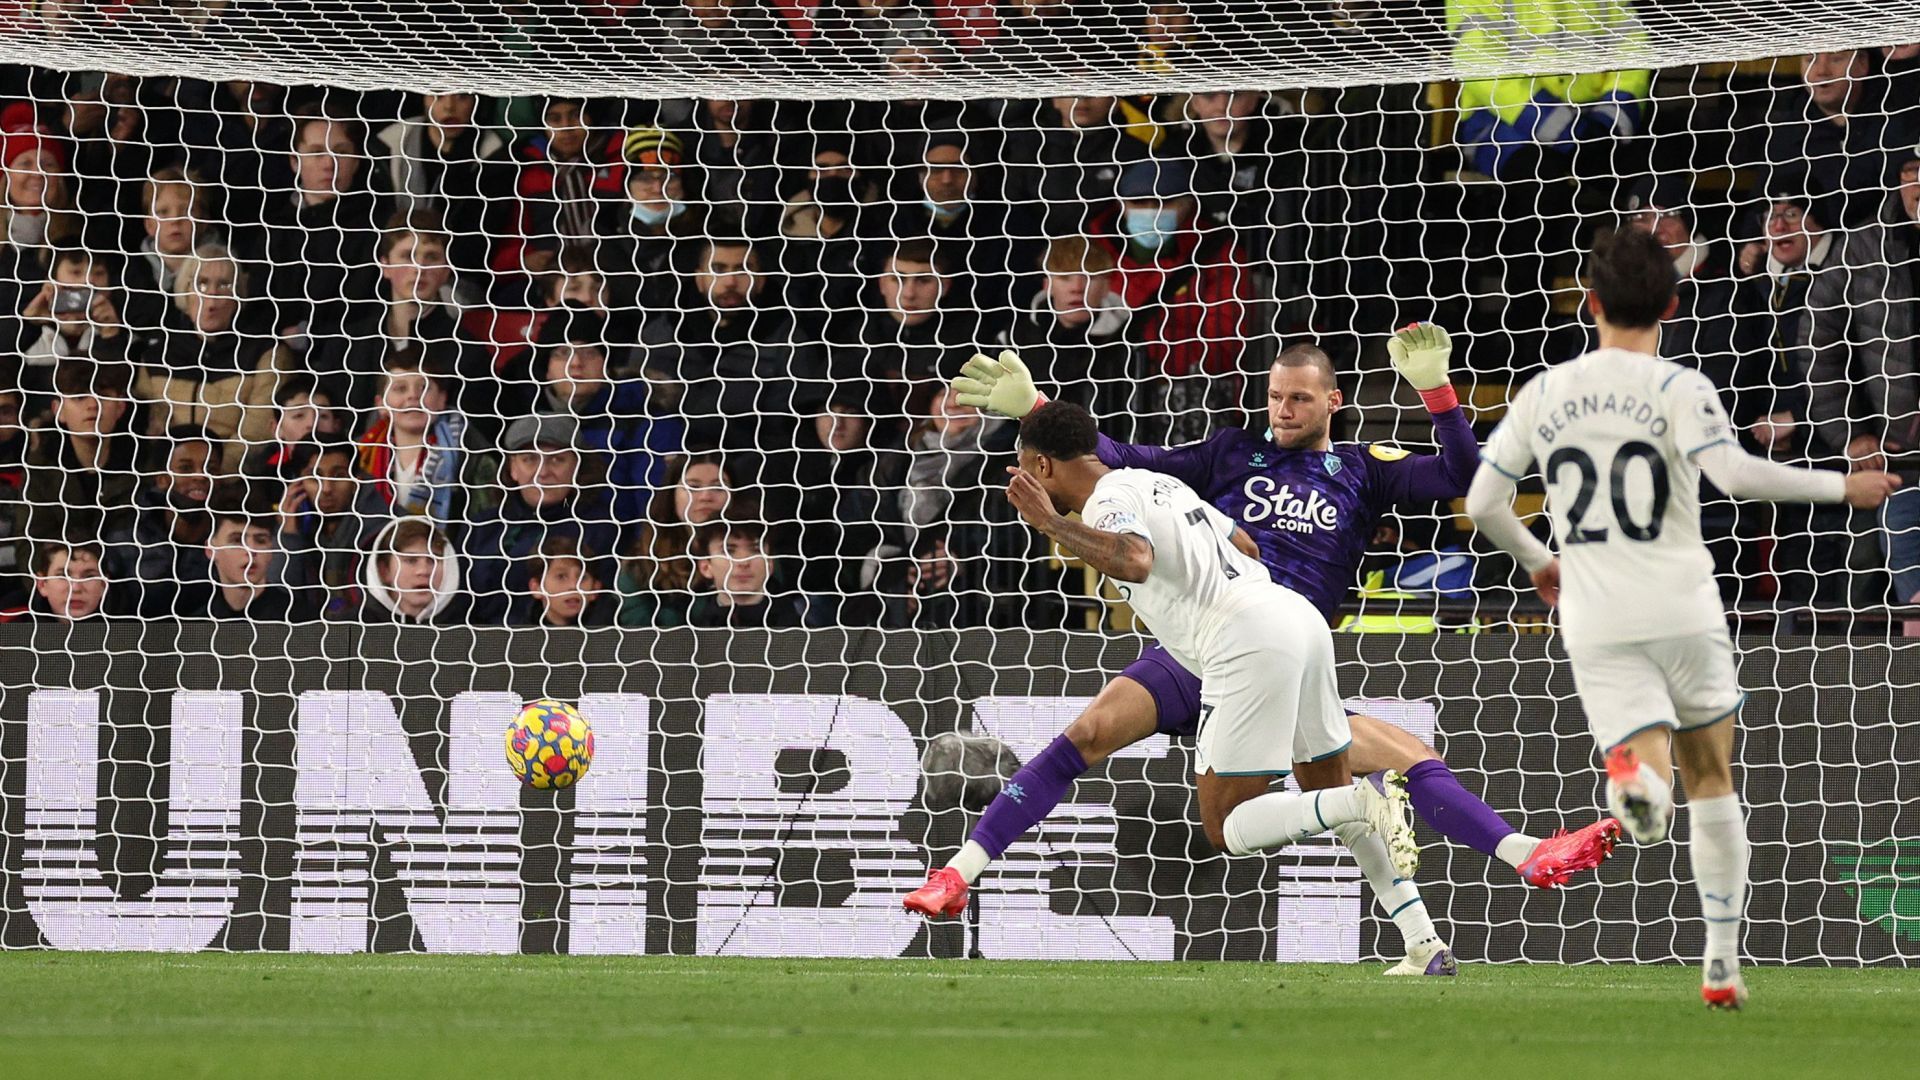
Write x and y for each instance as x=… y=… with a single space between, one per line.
x=108 y=1015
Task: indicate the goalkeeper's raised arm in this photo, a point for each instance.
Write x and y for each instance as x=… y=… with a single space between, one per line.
x=1267 y=483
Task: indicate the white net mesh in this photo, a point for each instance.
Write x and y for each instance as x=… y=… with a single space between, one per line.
x=372 y=368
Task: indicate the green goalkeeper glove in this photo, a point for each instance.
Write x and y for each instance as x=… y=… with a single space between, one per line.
x=1002 y=386
x=1420 y=352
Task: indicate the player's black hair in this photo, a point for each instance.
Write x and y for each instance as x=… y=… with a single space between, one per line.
x=1061 y=430
x=1633 y=277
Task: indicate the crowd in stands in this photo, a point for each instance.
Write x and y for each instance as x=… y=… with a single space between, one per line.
x=296 y=353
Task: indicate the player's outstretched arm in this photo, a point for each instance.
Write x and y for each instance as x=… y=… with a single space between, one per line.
x=1744 y=476
x=1120 y=556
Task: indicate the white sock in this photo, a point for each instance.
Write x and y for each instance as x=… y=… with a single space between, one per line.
x=1719 y=854
x=1516 y=849
x=971 y=862
x=1399 y=898
x=1279 y=818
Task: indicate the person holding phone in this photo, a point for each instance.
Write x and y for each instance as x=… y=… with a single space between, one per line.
x=77 y=315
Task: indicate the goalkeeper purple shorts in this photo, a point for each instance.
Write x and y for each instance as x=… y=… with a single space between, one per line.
x=1175 y=690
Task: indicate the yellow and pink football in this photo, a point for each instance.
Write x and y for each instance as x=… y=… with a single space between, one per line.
x=549 y=744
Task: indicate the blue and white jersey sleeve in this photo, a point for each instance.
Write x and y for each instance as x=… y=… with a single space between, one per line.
x=1118 y=507
x=1510 y=449
x=1699 y=419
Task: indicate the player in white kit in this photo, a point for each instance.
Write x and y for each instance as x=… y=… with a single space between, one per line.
x=1263 y=653
x=1622 y=438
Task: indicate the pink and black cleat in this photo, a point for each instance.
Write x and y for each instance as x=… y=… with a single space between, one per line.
x=942 y=897
x=1564 y=854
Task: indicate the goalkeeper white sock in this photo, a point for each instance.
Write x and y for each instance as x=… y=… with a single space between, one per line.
x=1399 y=898
x=1278 y=818
x=1515 y=848
x=1719 y=853
x=971 y=862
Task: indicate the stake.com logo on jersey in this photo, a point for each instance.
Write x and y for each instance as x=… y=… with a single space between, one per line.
x=1288 y=511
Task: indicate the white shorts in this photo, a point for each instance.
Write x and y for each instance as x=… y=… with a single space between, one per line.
x=1274 y=700
x=1678 y=683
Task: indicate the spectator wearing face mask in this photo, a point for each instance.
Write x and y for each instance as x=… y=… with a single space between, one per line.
x=955 y=204
x=74 y=314
x=821 y=232
x=1188 y=284
x=660 y=227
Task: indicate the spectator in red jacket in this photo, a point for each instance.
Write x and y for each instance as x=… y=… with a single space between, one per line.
x=1189 y=285
x=568 y=178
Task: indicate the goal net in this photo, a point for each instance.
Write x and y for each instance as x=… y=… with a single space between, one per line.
x=371 y=369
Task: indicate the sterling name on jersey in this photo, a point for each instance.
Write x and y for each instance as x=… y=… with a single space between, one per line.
x=1311 y=512
x=1199 y=580
x=1614 y=434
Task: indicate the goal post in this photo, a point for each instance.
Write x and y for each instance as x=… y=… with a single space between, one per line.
x=368 y=368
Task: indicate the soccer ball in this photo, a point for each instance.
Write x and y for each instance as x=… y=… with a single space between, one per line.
x=549 y=744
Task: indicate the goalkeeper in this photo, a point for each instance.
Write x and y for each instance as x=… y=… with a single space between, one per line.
x=1310 y=505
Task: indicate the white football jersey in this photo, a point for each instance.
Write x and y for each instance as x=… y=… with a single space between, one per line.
x=1199 y=579
x=1614 y=434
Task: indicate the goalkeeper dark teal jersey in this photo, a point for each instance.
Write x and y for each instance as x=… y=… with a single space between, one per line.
x=1312 y=512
